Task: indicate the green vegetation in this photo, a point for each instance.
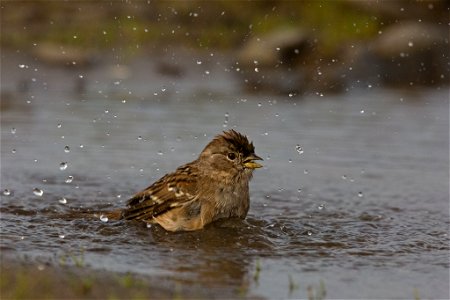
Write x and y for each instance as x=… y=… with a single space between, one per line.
x=317 y=293
x=71 y=258
x=292 y=285
x=199 y=24
x=257 y=270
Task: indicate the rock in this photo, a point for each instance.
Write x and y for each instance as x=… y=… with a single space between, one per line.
x=63 y=55
x=282 y=46
x=412 y=53
x=270 y=62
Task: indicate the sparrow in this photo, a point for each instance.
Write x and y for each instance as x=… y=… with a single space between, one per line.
x=212 y=187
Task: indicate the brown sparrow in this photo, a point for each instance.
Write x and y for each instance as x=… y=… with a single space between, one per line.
x=212 y=187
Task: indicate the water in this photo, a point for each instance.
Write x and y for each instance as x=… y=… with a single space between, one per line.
x=362 y=211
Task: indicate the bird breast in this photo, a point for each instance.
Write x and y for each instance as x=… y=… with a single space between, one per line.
x=232 y=200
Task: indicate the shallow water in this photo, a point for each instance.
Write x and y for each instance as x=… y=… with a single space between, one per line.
x=361 y=212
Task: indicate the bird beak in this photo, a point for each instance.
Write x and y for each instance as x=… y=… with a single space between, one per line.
x=249 y=162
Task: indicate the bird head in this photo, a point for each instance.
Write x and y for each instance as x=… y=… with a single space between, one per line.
x=231 y=151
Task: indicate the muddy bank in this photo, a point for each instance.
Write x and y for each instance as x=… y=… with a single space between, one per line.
x=71 y=279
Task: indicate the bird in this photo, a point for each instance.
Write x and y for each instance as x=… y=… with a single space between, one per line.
x=212 y=187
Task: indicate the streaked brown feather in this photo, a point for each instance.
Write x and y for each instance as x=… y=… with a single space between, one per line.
x=171 y=191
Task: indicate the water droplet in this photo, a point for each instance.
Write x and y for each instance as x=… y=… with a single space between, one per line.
x=63 y=166
x=344 y=177
x=61 y=236
x=149 y=225
x=259 y=104
x=59 y=125
x=225 y=122
x=13 y=151
x=13 y=130
x=410 y=44
x=305 y=171
x=199 y=62
x=6 y=192
x=124 y=101
x=299 y=149
x=21 y=66
x=67 y=149
x=38 y=192
x=321 y=206
x=69 y=179
x=139 y=138
x=207 y=72
x=103 y=218
x=299 y=190
x=361 y=111
x=256 y=70
x=160 y=153
x=62 y=200
x=309 y=232
x=290 y=160
x=81 y=146
x=360 y=194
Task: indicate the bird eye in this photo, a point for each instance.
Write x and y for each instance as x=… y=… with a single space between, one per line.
x=231 y=156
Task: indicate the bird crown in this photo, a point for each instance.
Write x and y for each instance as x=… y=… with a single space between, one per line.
x=237 y=142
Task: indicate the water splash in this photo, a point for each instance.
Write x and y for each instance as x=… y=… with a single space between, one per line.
x=38 y=192
x=63 y=166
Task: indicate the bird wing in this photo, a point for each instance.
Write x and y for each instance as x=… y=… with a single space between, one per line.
x=171 y=191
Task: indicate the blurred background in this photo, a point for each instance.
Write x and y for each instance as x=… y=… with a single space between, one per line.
x=276 y=46
x=346 y=101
